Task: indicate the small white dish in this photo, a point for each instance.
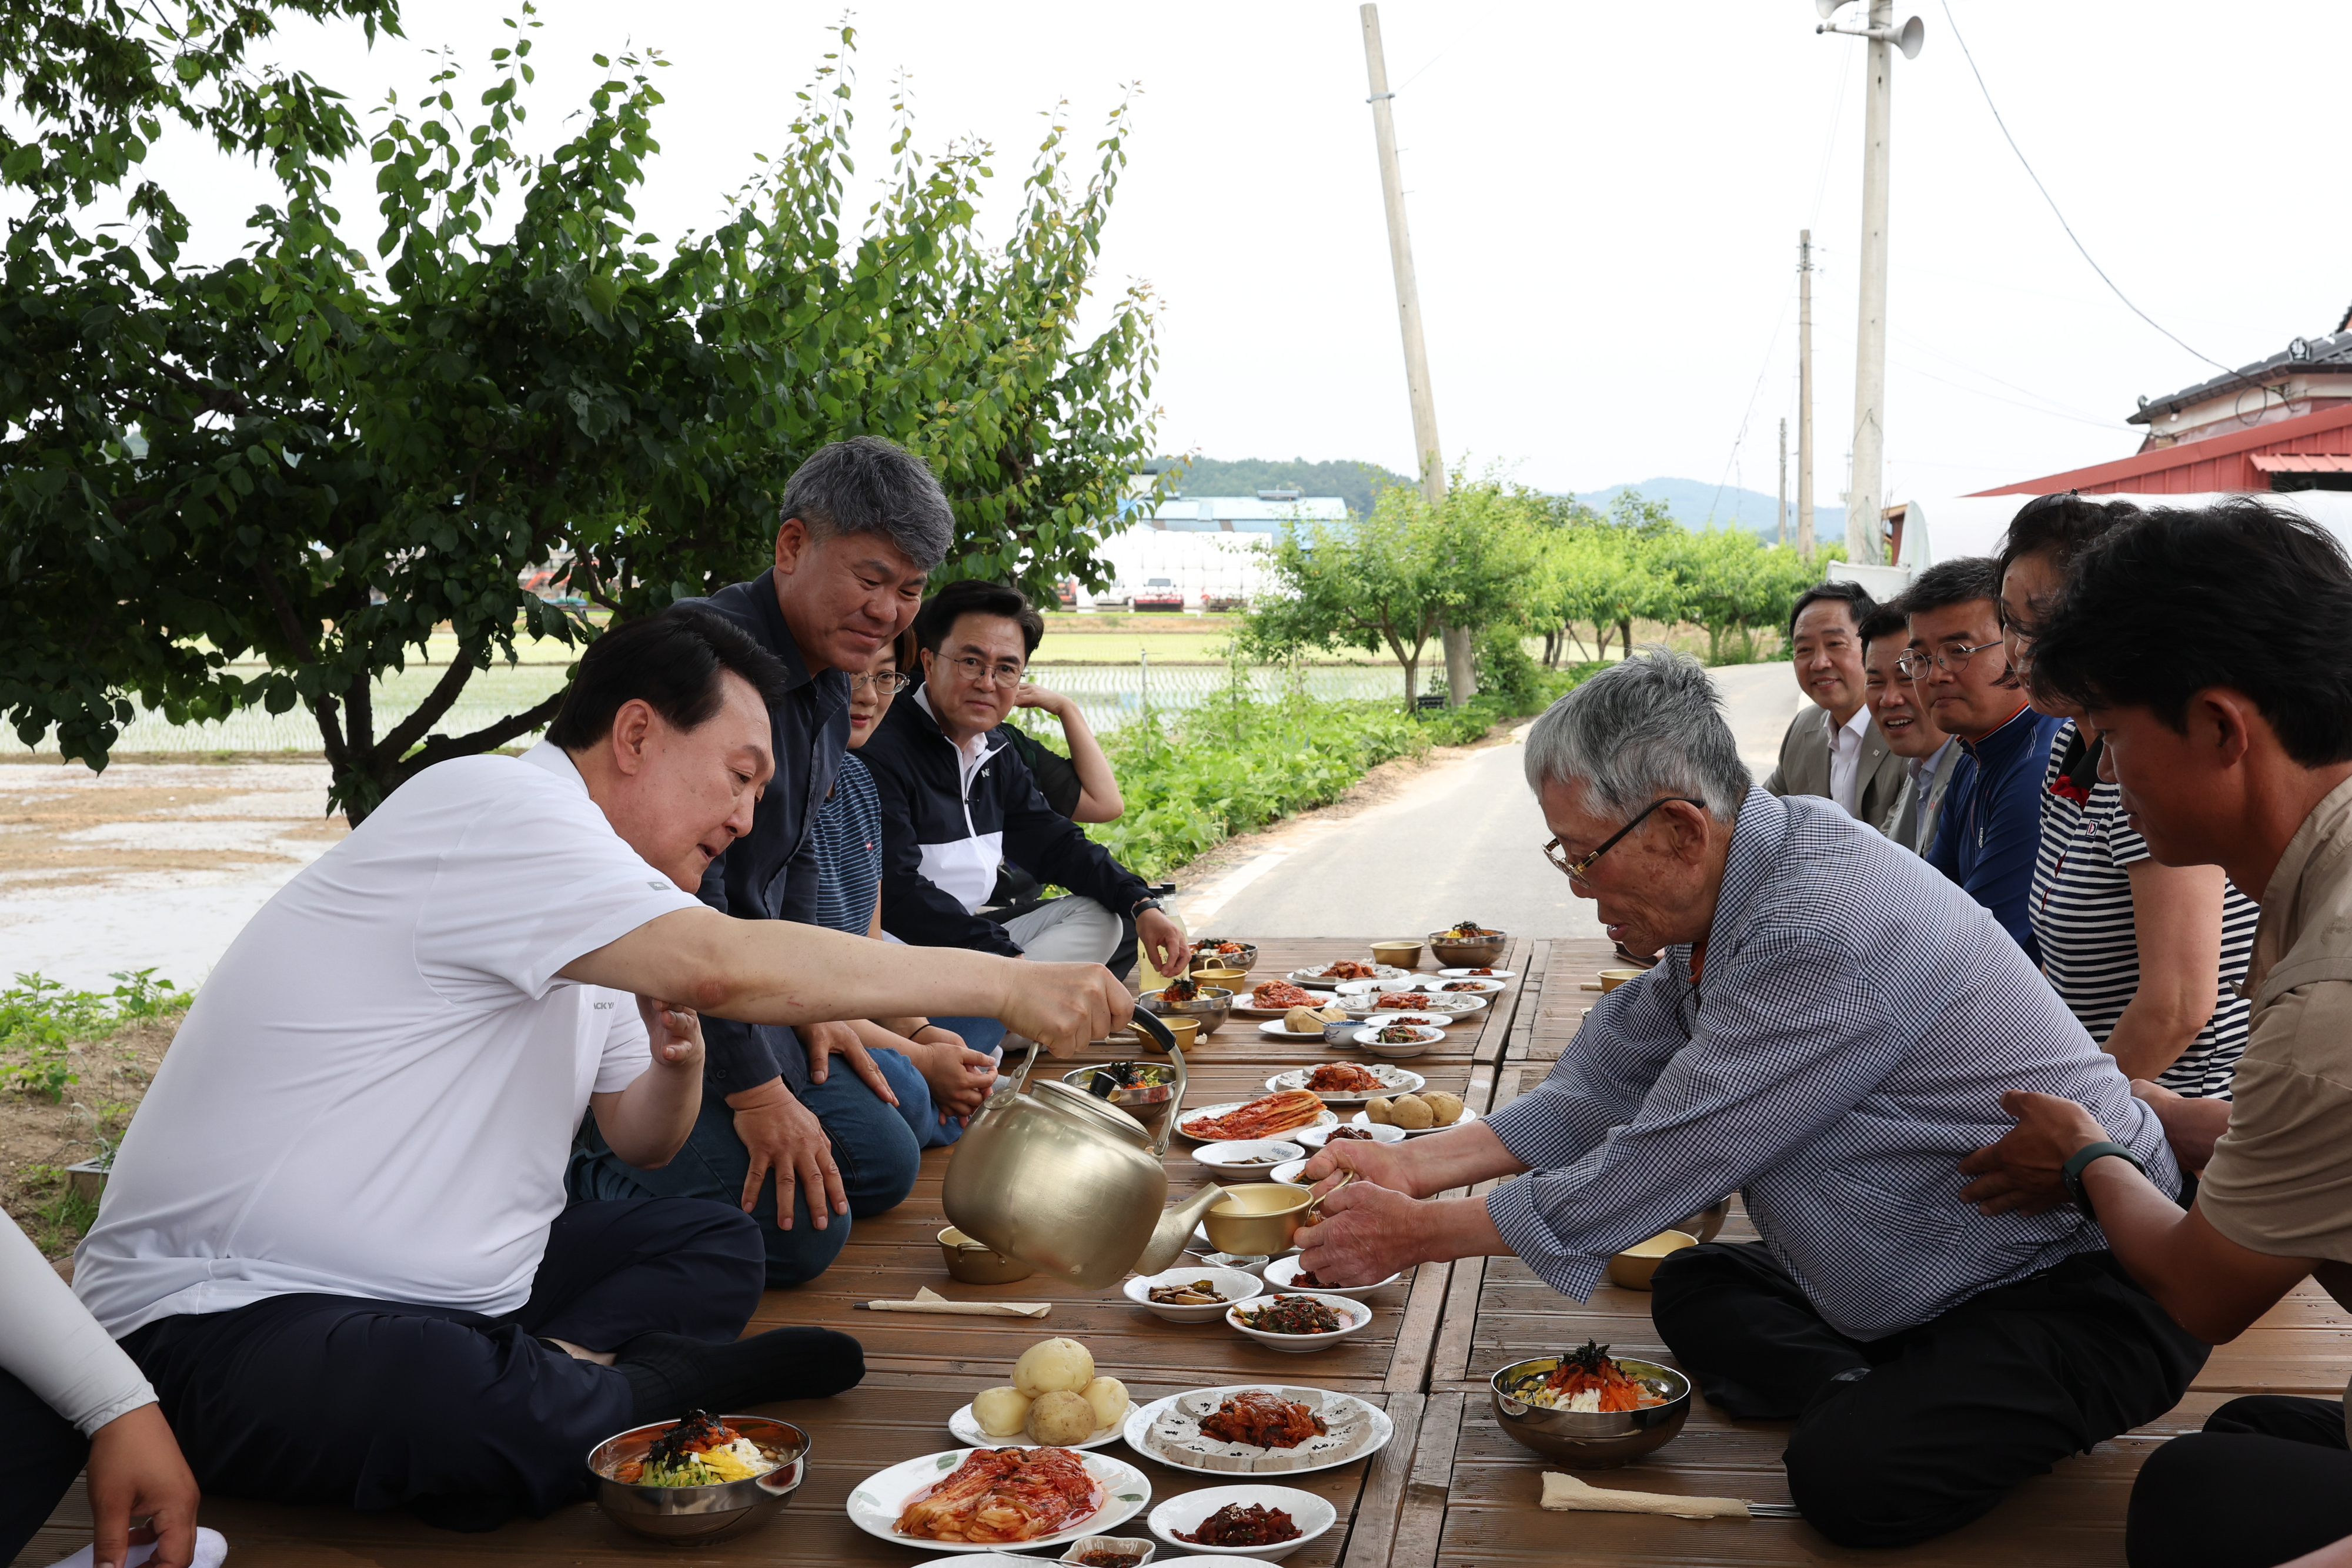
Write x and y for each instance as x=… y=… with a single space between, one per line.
x=1235 y=1284
x=1248 y=1156
x=875 y=1502
x=1486 y=986
x=1317 y=1137
x=1187 y=1511
x=1289 y=1171
x=1255 y=1266
x=1316 y=977
x=1477 y=974
x=1392 y=1080
x=971 y=1433
x=1282 y=1275
x=1354 y=1314
x=1124 y=1544
x=1275 y=1028
x=1423 y=1020
x=1363 y=1119
x=1423 y=1039
x=1211 y=1112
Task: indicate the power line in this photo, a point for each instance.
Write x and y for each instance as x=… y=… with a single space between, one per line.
x=2046 y=196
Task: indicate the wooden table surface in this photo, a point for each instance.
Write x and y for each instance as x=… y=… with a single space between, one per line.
x=1450 y=1490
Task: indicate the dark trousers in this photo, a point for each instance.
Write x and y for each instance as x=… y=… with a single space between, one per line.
x=2268 y=1479
x=374 y=1404
x=40 y=1454
x=1905 y=1438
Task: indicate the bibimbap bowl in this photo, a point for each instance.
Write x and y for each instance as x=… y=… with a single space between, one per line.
x=698 y=1514
x=1592 y=1439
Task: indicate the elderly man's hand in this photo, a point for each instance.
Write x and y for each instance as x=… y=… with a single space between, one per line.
x=1382 y=1165
x=1367 y=1233
x=2022 y=1171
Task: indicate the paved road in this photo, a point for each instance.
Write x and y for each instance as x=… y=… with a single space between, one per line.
x=1459 y=843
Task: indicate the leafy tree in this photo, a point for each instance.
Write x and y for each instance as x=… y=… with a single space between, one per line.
x=1392 y=579
x=1357 y=484
x=292 y=457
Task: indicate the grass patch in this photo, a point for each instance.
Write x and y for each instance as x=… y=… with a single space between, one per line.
x=40 y=1021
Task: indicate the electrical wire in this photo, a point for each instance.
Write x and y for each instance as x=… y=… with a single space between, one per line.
x=2046 y=196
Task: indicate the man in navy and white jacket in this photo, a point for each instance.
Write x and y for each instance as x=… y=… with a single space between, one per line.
x=958 y=801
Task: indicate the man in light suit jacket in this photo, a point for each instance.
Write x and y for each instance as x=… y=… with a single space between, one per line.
x=1835 y=749
x=1930 y=756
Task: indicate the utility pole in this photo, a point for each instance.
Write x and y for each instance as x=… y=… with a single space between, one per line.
x=1460 y=679
x=1781 y=512
x=1867 y=494
x=1805 y=393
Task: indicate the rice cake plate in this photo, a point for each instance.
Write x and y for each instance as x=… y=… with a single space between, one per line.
x=1169 y=1430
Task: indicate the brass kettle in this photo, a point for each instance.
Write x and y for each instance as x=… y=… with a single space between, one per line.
x=1068 y=1181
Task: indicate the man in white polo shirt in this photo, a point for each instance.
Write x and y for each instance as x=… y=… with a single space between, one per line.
x=335 y=1238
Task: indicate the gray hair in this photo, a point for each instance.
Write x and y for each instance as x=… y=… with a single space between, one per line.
x=869 y=485
x=1650 y=727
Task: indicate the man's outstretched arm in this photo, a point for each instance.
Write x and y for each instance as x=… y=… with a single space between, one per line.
x=773 y=971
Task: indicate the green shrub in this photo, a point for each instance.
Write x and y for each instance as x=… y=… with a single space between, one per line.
x=1506 y=673
x=39 y=1020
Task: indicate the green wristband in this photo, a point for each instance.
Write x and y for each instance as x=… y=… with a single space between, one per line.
x=2070 y=1173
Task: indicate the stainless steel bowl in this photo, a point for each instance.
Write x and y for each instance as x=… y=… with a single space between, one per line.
x=1592 y=1440
x=1146 y=1090
x=1245 y=960
x=1706 y=1223
x=1210 y=1008
x=1468 y=953
x=699 y=1514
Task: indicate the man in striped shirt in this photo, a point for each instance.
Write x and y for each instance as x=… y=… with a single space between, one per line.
x=1829 y=1031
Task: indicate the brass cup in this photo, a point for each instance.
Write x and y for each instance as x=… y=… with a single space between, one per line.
x=1632 y=1267
x=974 y=1264
x=1227 y=979
x=1612 y=978
x=1258 y=1219
x=1187 y=1030
x=1400 y=954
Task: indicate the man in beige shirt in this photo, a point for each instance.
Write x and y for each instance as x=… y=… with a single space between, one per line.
x=2214 y=651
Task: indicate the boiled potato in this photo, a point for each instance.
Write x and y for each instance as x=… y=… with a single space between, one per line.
x=1380 y=1111
x=1446 y=1109
x=1061 y=1417
x=1108 y=1397
x=1052 y=1366
x=1001 y=1412
x=1303 y=1021
x=1411 y=1112
x=1334 y=1013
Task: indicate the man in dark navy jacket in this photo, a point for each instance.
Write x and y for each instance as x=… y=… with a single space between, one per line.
x=958 y=801
x=1991 y=821
x=864 y=523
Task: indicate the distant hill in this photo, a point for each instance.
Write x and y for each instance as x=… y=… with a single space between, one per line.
x=1353 y=481
x=1692 y=499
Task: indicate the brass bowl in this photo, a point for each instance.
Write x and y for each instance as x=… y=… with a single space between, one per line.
x=1468 y=953
x=972 y=1263
x=1707 y=1224
x=1186 y=1031
x=1592 y=1440
x=1632 y=1267
x=1612 y=978
x=1402 y=953
x=1225 y=979
x=1258 y=1219
x=1208 y=1010
x=699 y=1514
x=1245 y=960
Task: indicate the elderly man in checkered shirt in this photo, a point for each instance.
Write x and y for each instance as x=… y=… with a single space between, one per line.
x=1829 y=1031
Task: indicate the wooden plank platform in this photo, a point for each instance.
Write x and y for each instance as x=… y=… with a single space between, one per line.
x=921 y=1369
x=1451 y=1489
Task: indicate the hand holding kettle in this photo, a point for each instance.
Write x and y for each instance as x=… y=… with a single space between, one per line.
x=1063 y=1006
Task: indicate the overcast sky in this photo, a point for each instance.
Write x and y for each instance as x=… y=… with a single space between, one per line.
x=1604 y=201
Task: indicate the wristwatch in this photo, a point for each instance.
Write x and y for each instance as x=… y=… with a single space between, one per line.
x=2070 y=1173
x=1143 y=904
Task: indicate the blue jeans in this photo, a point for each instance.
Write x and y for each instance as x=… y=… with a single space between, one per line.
x=875 y=1146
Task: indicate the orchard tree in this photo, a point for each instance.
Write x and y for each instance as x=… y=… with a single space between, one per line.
x=294 y=458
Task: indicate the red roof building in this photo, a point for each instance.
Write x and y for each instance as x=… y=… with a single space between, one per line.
x=2281 y=424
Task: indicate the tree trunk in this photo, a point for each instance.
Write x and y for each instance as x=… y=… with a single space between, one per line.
x=1411 y=669
x=1625 y=636
x=1461 y=672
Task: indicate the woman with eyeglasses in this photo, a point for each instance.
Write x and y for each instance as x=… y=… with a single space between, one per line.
x=939 y=1079
x=2147 y=956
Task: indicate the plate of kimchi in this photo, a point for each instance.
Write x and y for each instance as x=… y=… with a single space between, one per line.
x=990 y=1499
x=1267 y=1116
x=1348 y=1083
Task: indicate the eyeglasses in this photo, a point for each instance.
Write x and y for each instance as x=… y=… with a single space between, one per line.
x=1913 y=664
x=977 y=671
x=889 y=682
x=1576 y=869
